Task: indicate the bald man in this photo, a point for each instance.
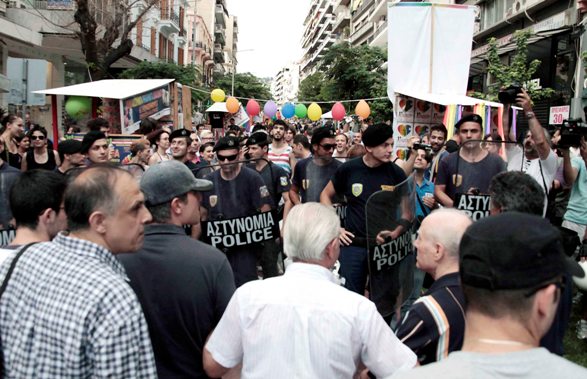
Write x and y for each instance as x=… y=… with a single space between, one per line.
x=435 y=324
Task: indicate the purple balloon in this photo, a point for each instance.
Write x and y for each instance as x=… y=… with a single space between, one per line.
x=270 y=109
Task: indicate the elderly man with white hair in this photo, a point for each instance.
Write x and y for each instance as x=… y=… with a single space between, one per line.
x=303 y=324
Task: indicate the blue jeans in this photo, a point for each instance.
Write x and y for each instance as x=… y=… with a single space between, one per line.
x=353 y=267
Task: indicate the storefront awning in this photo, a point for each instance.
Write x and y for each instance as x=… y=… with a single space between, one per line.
x=109 y=88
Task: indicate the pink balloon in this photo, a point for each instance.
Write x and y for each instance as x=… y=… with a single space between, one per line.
x=253 y=108
x=270 y=109
x=338 y=111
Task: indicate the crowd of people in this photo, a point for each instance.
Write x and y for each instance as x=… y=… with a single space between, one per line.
x=220 y=252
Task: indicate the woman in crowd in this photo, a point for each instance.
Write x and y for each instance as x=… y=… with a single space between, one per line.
x=24 y=143
x=39 y=156
x=12 y=127
x=160 y=139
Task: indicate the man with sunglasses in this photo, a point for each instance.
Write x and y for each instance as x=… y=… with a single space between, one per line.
x=238 y=192
x=313 y=173
x=512 y=295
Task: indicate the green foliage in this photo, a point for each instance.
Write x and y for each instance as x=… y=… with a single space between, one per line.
x=347 y=73
x=188 y=75
x=518 y=72
x=245 y=85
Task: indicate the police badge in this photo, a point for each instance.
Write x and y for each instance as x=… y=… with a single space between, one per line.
x=213 y=200
x=357 y=189
x=283 y=181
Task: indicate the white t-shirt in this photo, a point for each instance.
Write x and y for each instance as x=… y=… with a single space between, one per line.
x=304 y=325
x=5 y=253
x=518 y=162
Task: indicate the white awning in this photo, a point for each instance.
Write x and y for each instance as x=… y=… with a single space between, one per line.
x=444 y=99
x=218 y=107
x=109 y=88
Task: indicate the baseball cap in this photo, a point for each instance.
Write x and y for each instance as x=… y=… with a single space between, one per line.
x=258 y=138
x=320 y=133
x=227 y=143
x=377 y=134
x=89 y=139
x=168 y=179
x=513 y=251
x=69 y=146
x=469 y=118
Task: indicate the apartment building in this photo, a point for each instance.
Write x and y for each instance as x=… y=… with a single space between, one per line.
x=318 y=34
x=286 y=83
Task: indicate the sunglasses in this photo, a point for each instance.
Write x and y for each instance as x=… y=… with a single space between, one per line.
x=40 y=138
x=328 y=146
x=230 y=158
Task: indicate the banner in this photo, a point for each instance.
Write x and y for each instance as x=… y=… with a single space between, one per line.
x=118 y=144
x=7 y=236
x=241 y=231
x=154 y=103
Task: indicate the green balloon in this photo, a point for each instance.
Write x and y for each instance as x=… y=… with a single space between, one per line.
x=301 y=110
x=77 y=106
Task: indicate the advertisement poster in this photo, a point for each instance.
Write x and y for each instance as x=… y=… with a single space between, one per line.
x=154 y=103
x=118 y=144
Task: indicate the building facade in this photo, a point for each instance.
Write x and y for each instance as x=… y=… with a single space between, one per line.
x=286 y=83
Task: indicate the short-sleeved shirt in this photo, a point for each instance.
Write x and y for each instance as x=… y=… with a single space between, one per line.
x=281 y=159
x=577 y=207
x=357 y=182
x=542 y=170
x=435 y=324
x=193 y=286
x=276 y=179
x=310 y=178
x=477 y=174
x=427 y=187
x=242 y=196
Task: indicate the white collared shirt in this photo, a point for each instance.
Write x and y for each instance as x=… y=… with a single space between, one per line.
x=303 y=325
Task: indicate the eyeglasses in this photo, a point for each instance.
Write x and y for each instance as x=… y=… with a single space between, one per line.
x=559 y=283
x=40 y=138
x=328 y=146
x=222 y=158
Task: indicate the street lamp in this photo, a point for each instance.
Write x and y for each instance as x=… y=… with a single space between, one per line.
x=234 y=69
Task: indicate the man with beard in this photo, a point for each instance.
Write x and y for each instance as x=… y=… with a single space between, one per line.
x=179 y=142
x=279 y=150
x=470 y=169
x=238 y=192
x=437 y=137
x=537 y=159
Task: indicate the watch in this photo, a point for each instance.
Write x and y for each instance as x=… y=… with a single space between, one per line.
x=530 y=115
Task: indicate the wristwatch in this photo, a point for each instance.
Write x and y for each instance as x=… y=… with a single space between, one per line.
x=530 y=115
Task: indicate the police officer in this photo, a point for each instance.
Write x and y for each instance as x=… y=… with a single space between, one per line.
x=277 y=181
x=357 y=180
x=179 y=143
x=238 y=192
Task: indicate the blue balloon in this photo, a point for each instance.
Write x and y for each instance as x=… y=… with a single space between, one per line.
x=288 y=110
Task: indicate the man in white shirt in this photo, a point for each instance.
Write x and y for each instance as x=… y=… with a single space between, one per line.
x=537 y=159
x=303 y=324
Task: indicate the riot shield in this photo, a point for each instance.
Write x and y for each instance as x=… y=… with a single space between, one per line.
x=390 y=215
x=471 y=180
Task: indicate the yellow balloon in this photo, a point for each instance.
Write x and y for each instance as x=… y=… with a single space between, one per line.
x=217 y=95
x=314 y=112
x=232 y=105
x=362 y=109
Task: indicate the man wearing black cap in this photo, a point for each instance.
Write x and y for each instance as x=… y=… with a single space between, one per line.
x=357 y=180
x=190 y=281
x=470 y=169
x=95 y=147
x=238 y=192
x=179 y=142
x=512 y=295
x=277 y=181
x=313 y=173
x=70 y=155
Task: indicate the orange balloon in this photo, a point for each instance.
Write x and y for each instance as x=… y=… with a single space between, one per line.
x=232 y=105
x=362 y=109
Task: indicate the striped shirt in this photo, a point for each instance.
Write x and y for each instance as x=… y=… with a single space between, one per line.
x=435 y=324
x=68 y=312
x=282 y=158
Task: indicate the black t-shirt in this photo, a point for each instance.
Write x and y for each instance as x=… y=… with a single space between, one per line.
x=357 y=182
x=192 y=166
x=276 y=179
x=310 y=179
x=202 y=169
x=183 y=286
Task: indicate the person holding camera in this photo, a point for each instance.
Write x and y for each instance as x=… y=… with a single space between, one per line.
x=537 y=158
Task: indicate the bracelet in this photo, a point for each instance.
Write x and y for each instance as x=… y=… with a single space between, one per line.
x=530 y=115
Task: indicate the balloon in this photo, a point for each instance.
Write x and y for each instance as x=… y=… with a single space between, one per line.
x=338 y=111
x=270 y=109
x=288 y=110
x=314 y=112
x=301 y=110
x=362 y=109
x=232 y=105
x=78 y=106
x=217 y=95
x=253 y=108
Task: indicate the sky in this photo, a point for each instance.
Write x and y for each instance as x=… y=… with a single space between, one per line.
x=273 y=28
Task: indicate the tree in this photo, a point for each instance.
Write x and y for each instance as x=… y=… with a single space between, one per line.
x=311 y=87
x=105 y=42
x=246 y=85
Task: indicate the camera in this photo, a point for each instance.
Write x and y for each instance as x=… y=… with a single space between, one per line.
x=422 y=146
x=571 y=132
x=509 y=95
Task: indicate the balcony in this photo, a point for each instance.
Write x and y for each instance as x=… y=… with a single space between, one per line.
x=364 y=29
x=182 y=37
x=343 y=18
x=218 y=53
x=219 y=33
x=168 y=22
x=219 y=15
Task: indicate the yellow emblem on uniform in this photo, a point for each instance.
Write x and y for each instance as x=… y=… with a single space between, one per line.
x=457 y=180
x=213 y=200
x=357 y=189
x=387 y=188
x=305 y=184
